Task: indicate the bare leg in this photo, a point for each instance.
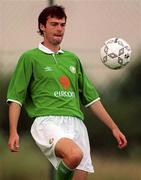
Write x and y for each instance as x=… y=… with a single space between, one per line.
x=69 y=151
x=80 y=175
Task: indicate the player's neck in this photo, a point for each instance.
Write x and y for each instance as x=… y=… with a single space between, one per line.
x=54 y=48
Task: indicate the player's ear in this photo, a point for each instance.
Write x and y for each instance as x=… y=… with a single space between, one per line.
x=42 y=27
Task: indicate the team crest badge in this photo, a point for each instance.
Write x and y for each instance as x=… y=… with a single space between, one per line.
x=73 y=69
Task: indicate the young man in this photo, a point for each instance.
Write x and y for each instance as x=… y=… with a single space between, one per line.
x=50 y=82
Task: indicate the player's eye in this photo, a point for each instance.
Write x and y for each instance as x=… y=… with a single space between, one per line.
x=54 y=24
x=63 y=24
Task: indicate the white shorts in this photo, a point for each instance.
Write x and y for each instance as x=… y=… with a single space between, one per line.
x=47 y=130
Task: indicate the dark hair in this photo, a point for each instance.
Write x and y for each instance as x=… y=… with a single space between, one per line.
x=52 y=11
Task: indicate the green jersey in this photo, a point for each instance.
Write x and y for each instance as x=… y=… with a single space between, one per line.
x=50 y=83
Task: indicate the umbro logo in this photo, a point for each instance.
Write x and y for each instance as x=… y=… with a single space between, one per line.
x=48 y=68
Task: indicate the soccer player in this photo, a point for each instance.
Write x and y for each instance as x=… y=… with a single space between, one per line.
x=50 y=82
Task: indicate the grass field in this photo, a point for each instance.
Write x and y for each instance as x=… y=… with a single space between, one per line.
x=30 y=164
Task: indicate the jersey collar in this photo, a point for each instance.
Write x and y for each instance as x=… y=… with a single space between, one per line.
x=48 y=51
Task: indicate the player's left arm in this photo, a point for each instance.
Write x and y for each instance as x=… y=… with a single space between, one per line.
x=103 y=115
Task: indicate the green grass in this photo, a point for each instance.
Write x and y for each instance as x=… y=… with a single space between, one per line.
x=116 y=169
x=31 y=164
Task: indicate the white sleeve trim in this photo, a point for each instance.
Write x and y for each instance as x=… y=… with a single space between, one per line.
x=12 y=100
x=92 y=102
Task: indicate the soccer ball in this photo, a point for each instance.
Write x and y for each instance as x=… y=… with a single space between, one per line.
x=115 y=53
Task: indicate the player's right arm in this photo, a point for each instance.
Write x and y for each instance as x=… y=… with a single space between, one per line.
x=14 y=114
x=16 y=95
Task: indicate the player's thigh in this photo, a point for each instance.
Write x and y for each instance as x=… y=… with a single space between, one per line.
x=79 y=174
x=66 y=148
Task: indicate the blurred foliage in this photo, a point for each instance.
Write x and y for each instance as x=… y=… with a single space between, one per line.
x=123 y=102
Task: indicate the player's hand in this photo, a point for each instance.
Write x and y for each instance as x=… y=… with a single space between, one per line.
x=121 y=139
x=13 y=143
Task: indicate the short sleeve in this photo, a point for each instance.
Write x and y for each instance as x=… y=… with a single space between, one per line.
x=87 y=92
x=20 y=80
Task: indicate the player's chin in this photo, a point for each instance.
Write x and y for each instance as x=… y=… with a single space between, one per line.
x=58 y=39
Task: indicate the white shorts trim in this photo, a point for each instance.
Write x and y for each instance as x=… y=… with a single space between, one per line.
x=48 y=130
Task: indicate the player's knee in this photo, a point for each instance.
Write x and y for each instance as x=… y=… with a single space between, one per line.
x=75 y=158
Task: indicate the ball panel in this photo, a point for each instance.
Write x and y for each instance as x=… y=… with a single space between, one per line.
x=115 y=53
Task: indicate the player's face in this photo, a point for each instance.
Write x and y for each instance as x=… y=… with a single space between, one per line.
x=54 y=30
